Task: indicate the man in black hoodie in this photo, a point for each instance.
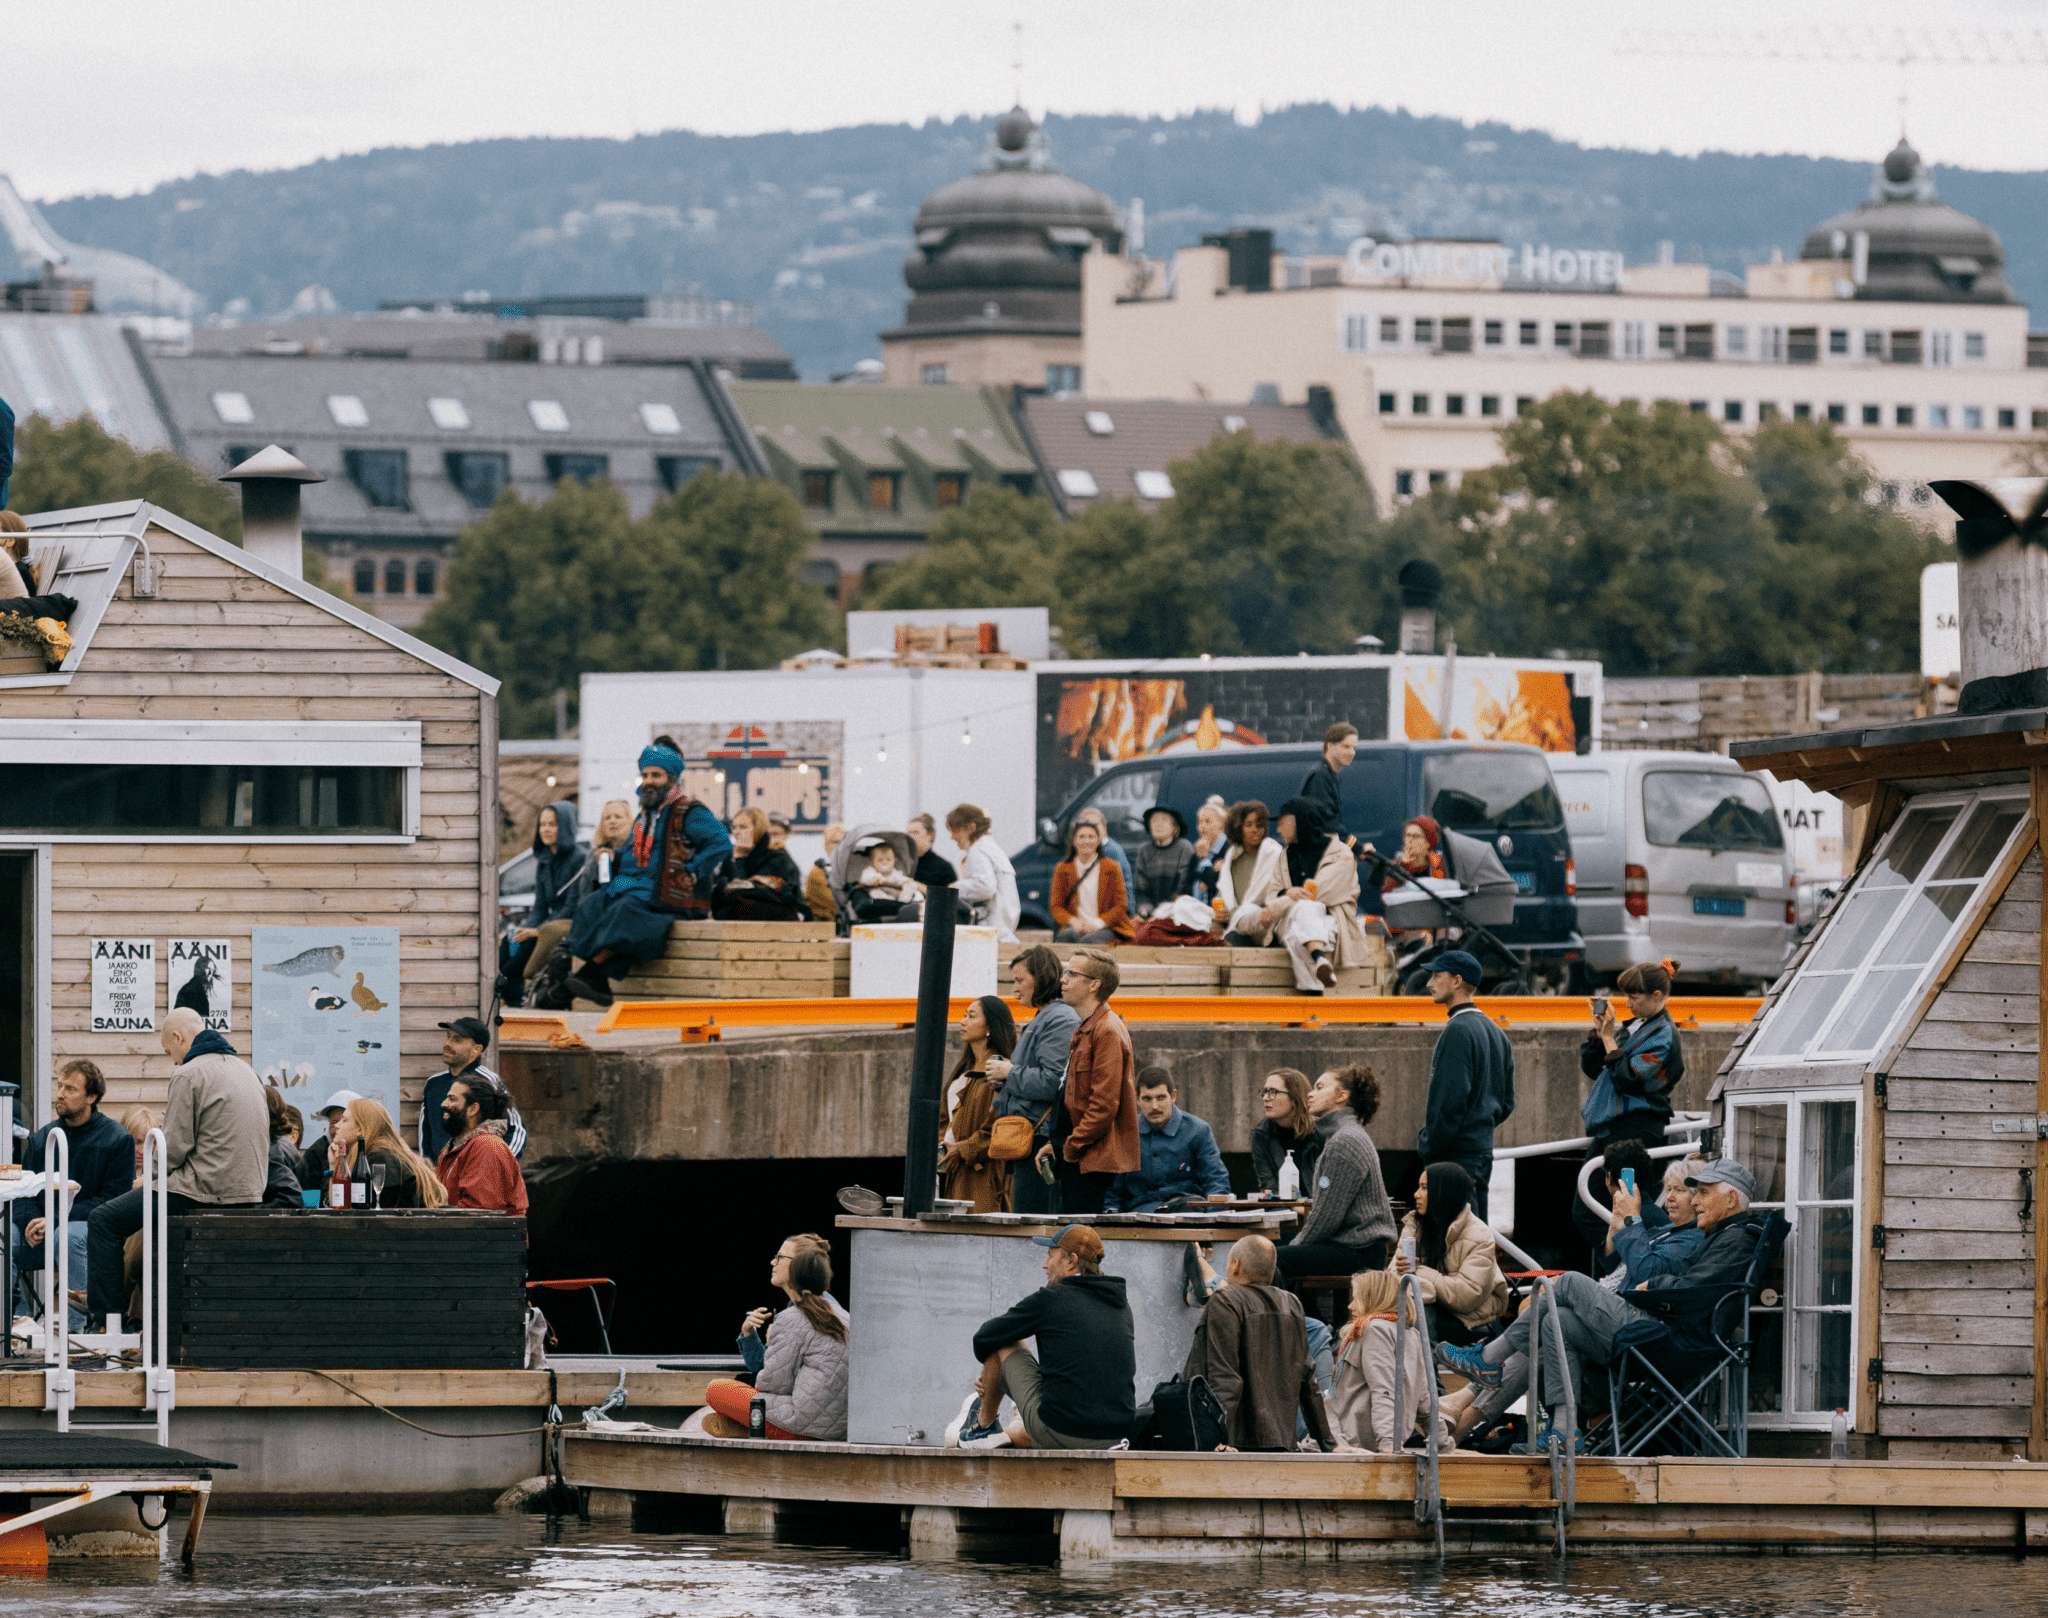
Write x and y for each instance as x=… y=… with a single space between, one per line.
x=1078 y=1392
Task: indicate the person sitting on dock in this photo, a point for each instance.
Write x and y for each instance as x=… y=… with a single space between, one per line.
x=476 y=1167
x=1643 y=1249
x=1101 y=1103
x=1454 y=1258
x=753 y=1338
x=1251 y=1348
x=1077 y=1391
x=1350 y=1225
x=216 y=1150
x=1597 y=1322
x=1634 y=1156
x=1362 y=1406
x=99 y=1154
x=662 y=874
x=804 y=1362
x=1177 y=1154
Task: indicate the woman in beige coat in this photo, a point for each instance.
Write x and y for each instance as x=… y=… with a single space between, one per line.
x=1361 y=1406
x=1454 y=1258
x=1316 y=916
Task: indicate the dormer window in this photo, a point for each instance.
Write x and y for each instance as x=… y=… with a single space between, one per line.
x=818 y=490
x=882 y=487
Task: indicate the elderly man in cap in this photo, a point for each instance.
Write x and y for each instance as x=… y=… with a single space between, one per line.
x=1077 y=1392
x=1471 y=1077
x=1599 y=1323
x=462 y=1047
x=664 y=874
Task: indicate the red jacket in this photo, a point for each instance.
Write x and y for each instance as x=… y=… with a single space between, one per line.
x=480 y=1171
x=1101 y=1095
x=1112 y=900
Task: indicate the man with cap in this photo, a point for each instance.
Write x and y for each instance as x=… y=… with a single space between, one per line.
x=664 y=873
x=1599 y=1323
x=1078 y=1391
x=462 y=1048
x=1471 y=1077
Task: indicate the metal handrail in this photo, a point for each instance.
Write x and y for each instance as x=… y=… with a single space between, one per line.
x=1429 y=1496
x=159 y=1381
x=60 y=1383
x=1586 y=1168
x=1563 y=1479
x=1681 y=1123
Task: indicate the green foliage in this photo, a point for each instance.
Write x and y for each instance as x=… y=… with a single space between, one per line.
x=540 y=595
x=81 y=464
x=998 y=550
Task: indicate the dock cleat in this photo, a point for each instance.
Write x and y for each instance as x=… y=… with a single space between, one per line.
x=1469 y=1363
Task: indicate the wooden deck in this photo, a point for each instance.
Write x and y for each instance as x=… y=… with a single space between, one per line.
x=1140 y=1504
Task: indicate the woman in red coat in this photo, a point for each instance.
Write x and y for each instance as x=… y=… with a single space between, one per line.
x=1089 y=902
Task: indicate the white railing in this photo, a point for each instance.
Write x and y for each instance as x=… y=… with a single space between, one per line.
x=159 y=1381
x=1681 y=1124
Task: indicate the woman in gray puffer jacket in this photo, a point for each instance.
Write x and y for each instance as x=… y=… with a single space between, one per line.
x=803 y=1377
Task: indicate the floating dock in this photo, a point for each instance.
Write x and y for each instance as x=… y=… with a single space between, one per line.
x=88 y=1494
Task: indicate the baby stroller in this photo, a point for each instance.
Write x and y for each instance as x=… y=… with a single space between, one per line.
x=1480 y=893
x=851 y=858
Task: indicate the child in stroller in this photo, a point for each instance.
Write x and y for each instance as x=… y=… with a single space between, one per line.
x=881 y=893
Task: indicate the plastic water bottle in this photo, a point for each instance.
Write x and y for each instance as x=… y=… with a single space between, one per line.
x=1290 y=1178
x=604 y=866
x=1838 y=1438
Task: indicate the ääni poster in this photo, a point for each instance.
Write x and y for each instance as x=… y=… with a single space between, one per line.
x=124 y=986
x=323 y=1012
x=201 y=976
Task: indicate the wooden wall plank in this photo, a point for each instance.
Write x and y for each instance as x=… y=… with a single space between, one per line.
x=1954 y=1213
x=1911 y=1421
x=1962 y=1096
x=1953 y=1006
x=2005 y=1330
x=1996 y=977
x=2015 y=1067
x=2006 y=1152
x=1992 y=1278
x=1944 y=1388
x=1950 y=1036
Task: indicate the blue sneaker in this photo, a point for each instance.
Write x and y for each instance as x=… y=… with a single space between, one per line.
x=990 y=1437
x=1539 y=1445
x=1468 y=1363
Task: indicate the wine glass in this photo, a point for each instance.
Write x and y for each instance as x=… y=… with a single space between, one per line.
x=377 y=1173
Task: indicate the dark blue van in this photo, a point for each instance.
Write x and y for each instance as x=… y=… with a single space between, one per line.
x=1502 y=793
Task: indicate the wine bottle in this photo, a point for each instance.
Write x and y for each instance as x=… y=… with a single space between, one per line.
x=359 y=1184
x=337 y=1187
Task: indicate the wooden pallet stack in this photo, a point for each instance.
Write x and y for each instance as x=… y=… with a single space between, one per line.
x=743 y=960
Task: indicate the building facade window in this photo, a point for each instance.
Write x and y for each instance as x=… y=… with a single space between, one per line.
x=1873 y=415
x=1404 y=484
x=1595 y=339
x=676 y=470
x=1667 y=340
x=2008 y=418
x=1493 y=334
x=1838 y=414
x=1357 y=333
x=1388 y=403
x=1937 y=415
x=1802 y=412
x=424 y=576
x=1735 y=341
x=1973 y=418
x=1528 y=334
x=1425 y=331
x=935 y=374
x=817 y=490
x=1731 y=411
x=380 y=474
x=1489 y=404
x=1699 y=342
x=1419 y=405
x=582 y=467
x=1561 y=335
x=448 y=414
x=1770 y=344
x=366 y=577
x=1525 y=404
x=1973 y=345
x=347 y=410
x=1941 y=348
x=949 y=489
x=481 y=475
x=1838 y=342
x=394 y=577
x=1390 y=331
x=1698 y=407
x=1903 y=416
x=882 y=488
x=1454 y=404
x=1873 y=345
x=1438 y=480
x=1766 y=410
x=1458 y=335
x=2040 y=420
x=1063 y=379
x=1905 y=348
x=205 y=800
x=1633 y=339
x=1802 y=345
x=234 y=409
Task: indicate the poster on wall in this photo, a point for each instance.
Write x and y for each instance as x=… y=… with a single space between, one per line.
x=200 y=976
x=124 y=986
x=1085 y=724
x=323 y=1012
x=788 y=767
x=1491 y=703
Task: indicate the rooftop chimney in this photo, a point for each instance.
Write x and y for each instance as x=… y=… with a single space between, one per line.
x=2002 y=590
x=271 y=529
x=1422 y=586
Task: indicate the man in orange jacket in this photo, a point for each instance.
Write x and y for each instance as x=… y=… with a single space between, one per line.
x=1101 y=1101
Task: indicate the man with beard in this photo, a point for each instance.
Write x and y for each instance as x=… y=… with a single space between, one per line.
x=664 y=873
x=477 y=1168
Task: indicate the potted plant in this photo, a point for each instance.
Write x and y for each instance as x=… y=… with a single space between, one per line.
x=31 y=645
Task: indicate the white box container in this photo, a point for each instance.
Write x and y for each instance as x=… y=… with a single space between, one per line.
x=886 y=959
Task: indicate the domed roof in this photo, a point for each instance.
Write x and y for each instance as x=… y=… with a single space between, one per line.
x=1001 y=249
x=1921 y=250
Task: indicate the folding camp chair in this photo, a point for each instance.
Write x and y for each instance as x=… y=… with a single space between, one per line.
x=1696 y=1399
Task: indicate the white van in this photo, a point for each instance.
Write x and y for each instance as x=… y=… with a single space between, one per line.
x=1679 y=855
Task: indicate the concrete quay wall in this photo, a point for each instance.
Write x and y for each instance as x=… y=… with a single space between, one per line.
x=846 y=1094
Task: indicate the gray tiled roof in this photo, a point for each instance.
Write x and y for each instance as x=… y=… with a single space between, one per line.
x=288 y=403
x=1147 y=435
x=61 y=366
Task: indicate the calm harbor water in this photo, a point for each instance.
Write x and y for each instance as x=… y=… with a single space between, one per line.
x=397 y=1567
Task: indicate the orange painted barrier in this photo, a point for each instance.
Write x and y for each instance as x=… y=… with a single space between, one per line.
x=698 y=1020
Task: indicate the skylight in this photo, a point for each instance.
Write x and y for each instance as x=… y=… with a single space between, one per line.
x=1153 y=485
x=233 y=408
x=660 y=418
x=347 y=410
x=1099 y=423
x=448 y=413
x=1078 y=482
x=548 y=416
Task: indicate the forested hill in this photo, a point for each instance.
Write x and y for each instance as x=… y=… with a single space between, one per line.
x=813 y=228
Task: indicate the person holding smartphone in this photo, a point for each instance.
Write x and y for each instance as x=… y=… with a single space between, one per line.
x=1634 y=1069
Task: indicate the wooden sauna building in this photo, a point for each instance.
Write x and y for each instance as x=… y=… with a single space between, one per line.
x=226 y=751
x=1892 y=1093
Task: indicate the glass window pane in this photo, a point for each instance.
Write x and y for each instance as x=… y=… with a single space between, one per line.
x=1709 y=809
x=1123 y=800
x=1824 y=1264
x=1798 y=1015
x=1989 y=826
x=1821 y=1377
x=1930 y=914
x=1913 y=843
x=1879 y=998
x=1855 y=928
x=1760 y=1147
x=1766 y=1362
x=1827 y=1154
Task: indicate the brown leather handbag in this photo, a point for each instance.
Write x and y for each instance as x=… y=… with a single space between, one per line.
x=1010 y=1138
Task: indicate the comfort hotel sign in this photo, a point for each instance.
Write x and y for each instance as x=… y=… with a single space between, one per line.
x=1484 y=263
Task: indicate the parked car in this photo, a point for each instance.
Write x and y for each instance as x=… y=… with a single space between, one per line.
x=1500 y=793
x=515 y=889
x=1679 y=855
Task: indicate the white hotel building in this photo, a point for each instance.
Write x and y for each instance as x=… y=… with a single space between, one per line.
x=1895 y=323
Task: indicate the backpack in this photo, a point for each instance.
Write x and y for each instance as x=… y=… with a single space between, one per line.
x=1185 y=1416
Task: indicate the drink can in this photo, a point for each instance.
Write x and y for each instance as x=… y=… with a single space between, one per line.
x=1408 y=1248
x=757 y=1418
x=604 y=866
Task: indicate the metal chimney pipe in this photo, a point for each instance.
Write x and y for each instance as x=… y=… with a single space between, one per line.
x=272 y=531
x=1422 y=586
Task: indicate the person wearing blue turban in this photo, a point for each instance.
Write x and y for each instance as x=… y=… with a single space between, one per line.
x=664 y=874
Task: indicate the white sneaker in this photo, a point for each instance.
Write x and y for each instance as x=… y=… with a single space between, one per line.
x=965 y=1418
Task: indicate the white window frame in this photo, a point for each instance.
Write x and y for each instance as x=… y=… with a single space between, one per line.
x=1787 y=1419
x=1633 y=340
x=1355 y=334
x=36 y=1082
x=1815 y=1052
x=337 y=744
x=1941 y=348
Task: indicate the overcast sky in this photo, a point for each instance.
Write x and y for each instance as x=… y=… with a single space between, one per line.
x=119 y=97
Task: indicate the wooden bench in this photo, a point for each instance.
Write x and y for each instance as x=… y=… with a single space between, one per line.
x=1215 y=969
x=743 y=960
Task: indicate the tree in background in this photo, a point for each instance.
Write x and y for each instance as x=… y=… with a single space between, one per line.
x=998 y=550
x=540 y=595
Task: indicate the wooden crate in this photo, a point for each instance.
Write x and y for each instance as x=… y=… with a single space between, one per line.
x=743 y=960
x=305 y=1287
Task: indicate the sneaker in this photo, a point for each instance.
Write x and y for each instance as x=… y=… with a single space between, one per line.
x=964 y=1421
x=582 y=988
x=1540 y=1444
x=990 y=1437
x=1326 y=974
x=1469 y=1364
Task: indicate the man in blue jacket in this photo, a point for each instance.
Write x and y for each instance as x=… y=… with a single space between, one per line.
x=101 y=1160
x=1177 y=1155
x=664 y=874
x=1471 y=1077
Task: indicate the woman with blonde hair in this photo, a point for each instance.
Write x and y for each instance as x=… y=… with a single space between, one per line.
x=1361 y=1405
x=364 y=1127
x=760 y=882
